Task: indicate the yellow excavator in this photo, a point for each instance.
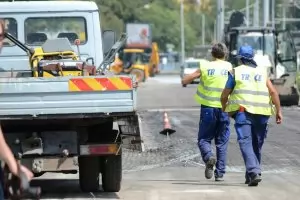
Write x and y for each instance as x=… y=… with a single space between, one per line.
x=143 y=62
x=154 y=60
x=131 y=61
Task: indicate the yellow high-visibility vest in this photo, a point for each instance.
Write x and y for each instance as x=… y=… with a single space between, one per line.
x=250 y=91
x=214 y=76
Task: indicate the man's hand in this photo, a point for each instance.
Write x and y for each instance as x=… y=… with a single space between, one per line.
x=26 y=171
x=278 y=117
x=223 y=108
x=189 y=78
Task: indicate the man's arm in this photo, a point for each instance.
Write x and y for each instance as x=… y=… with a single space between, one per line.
x=274 y=95
x=7 y=156
x=189 y=78
x=227 y=90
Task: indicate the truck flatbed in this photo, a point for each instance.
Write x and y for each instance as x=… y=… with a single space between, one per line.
x=66 y=95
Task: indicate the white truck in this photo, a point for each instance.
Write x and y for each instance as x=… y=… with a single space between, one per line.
x=65 y=124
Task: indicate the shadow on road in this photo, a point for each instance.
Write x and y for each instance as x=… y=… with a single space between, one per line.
x=61 y=188
x=194 y=182
x=212 y=184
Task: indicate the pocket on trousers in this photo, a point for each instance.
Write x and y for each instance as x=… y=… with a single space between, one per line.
x=241 y=118
x=224 y=118
x=207 y=115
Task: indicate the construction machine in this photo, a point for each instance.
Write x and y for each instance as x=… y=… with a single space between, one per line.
x=274 y=50
x=154 y=60
x=140 y=55
x=131 y=61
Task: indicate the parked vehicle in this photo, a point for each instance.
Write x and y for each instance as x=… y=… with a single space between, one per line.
x=57 y=117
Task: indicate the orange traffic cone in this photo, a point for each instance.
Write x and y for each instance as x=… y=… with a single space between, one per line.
x=167 y=126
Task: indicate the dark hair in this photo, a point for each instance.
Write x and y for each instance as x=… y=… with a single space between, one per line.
x=219 y=50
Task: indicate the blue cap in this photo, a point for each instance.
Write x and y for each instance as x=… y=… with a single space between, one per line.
x=246 y=55
x=246 y=52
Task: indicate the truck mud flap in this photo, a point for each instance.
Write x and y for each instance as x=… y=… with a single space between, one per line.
x=132 y=133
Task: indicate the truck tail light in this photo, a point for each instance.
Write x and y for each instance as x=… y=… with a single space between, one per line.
x=99 y=149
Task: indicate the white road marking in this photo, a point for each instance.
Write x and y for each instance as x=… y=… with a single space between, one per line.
x=197 y=191
x=179 y=159
x=172 y=109
x=181 y=109
x=153 y=195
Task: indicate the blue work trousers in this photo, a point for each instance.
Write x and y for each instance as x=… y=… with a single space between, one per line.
x=214 y=124
x=251 y=132
x=1 y=184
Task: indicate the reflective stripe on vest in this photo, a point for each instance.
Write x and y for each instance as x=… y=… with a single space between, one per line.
x=250 y=91
x=213 y=78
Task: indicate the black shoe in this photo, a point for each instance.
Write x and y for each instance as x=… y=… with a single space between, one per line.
x=254 y=180
x=209 y=169
x=247 y=178
x=247 y=181
x=219 y=178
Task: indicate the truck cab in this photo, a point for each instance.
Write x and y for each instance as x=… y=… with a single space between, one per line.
x=32 y=24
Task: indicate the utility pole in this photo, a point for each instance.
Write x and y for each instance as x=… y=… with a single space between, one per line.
x=283 y=15
x=182 y=32
x=220 y=19
x=266 y=13
x=247 y=13
x=203 y=29
x=256 y=13
x=273 y=13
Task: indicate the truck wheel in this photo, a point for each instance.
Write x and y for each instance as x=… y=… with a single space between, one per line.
x=140 y=74
x=89 y=173
x=184 y=85
x=112 y=173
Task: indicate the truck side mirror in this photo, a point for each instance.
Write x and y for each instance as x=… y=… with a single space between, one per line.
x=109 y=38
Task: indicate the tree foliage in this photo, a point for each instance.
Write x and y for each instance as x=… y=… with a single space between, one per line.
x=162 y=15
x=164 y=18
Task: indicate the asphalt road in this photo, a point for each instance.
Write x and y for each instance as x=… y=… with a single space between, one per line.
x=171 y=169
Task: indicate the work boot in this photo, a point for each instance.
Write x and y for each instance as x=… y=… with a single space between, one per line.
x=254 y=180
x=209 y=169
x=247 y=178
x=219 y=178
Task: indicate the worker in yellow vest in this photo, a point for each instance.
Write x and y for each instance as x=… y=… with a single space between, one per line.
x=214 y=124
x=250 y=104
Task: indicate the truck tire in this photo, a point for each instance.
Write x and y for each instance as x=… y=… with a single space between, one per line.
x=89 y=173
x=112 y=173
x=140 y=74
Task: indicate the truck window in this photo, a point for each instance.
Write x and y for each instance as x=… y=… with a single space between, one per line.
x=38 y=30
x=11 y=27
x=287 y=51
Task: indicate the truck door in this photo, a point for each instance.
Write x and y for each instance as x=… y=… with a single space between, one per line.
x=287 y=58
x=286 y=62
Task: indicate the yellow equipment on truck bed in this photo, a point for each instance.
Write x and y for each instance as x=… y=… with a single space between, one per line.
x=54 y=58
